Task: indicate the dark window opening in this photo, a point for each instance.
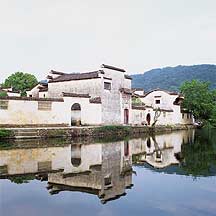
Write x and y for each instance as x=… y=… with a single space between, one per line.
x=157 y=101
x=107 y=181
x=107 y=85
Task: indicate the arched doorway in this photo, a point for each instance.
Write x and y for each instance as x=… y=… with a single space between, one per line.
x=148 y=119
x=149 y=142
x=76 y=155
x=75 y=114
x=126 y=116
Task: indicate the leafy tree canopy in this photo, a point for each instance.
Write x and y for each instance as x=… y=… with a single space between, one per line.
x=200 y=100
x=20 y=81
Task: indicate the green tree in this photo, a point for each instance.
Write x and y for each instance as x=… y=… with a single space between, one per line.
x=198 y=157
x=3 y=94
x=20 y=81
x=199 y=100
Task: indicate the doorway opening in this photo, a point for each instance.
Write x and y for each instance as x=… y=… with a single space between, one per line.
x=126 y=116
x=148 y=119
x=76 y=114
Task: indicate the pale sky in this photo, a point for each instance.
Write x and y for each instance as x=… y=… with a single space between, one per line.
x=79 y=35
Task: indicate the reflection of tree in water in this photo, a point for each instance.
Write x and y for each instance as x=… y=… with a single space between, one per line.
x=21 y=179
x=198 y=158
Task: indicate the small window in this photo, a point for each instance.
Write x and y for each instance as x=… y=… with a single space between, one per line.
x=157 y=101
x=188 y=115
x=4 y=105
x=44 y=166
x=107 y=181
x=182 y=115
x=3 y=169
x=44 y=105
x=107 y=85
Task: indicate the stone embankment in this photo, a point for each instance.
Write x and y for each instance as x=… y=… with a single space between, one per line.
x=87 y=131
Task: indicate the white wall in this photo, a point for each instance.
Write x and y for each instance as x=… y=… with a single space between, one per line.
x=90 y=112
x=22 y=112
x=112 y=103
x=43 y=94
x=138 y=117
x=166 y=103
x=13 y=94
x=93 y=87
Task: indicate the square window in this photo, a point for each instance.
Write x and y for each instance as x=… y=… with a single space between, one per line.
x=45 y=105
x=157 y=101
x=107 y=85
x=4 y=105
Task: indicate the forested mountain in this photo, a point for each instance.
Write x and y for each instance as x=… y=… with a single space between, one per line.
x=170 y=78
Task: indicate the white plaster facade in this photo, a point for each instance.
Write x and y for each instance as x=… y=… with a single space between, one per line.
x=168 y=103
x=103 y=98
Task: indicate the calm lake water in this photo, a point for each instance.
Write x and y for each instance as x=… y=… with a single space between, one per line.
x=165 y=174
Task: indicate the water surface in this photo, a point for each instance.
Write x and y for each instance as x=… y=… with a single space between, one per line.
x=165 y=174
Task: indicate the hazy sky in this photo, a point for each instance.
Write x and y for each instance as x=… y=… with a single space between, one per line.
x=79 y=35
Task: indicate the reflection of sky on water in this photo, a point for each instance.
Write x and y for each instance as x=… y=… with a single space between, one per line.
x=152 y=194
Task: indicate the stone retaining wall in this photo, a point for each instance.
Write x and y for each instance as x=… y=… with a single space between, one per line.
x=100 y=132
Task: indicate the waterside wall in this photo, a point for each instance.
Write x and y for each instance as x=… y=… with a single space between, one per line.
x=100 y=132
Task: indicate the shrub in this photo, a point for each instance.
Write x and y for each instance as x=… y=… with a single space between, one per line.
x=5 y=133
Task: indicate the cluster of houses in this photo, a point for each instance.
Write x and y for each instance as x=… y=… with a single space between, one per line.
x=100 y=97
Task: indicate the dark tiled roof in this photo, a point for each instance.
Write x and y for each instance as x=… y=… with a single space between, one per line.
x=147 y=106
x=57 y=72
x=75 y=95
x=137 y=89
x=43 y=90
x=13 y=91
x=31 y=99
x=125 y=90
x=137 y=107
x=128 y=77
x=95 y=100
x=168 y=92
x=165 y=110
x=107 y=78
x=112 y=68
x=76 y=76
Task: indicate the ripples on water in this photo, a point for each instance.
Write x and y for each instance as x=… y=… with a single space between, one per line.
x=165 y=174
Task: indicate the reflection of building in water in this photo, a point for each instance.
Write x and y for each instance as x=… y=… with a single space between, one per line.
x=101 y=169
x=107 y=178
x=161 y=150
x=32 y=160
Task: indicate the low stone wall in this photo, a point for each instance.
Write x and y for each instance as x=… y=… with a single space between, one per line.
x=98 y=132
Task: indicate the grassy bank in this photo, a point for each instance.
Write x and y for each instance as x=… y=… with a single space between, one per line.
x=5 y=133
x=110 y=129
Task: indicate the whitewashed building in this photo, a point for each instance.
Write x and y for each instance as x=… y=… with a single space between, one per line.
x=160 y=107
x=101 y=97
x=10 y=92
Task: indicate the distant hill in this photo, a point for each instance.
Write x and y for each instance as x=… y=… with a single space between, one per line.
x=170 y=78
